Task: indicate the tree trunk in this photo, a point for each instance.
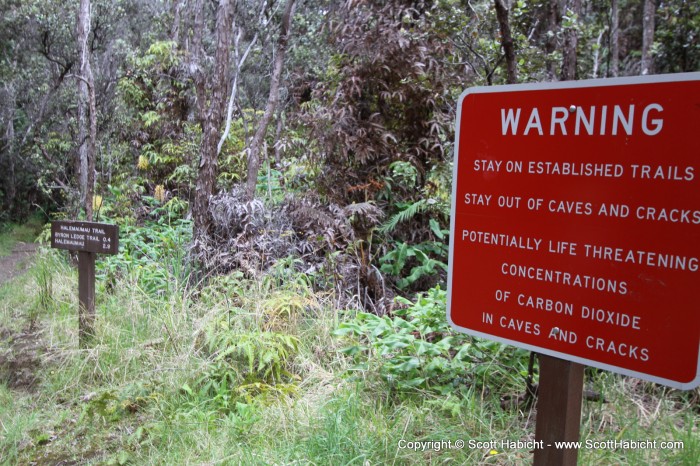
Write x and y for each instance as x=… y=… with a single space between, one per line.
x=568 y=66
x=550 y=47
x=507 y=42
x=87 y=120
x=238 y=63
x=647 y=65
x=278 y=135
x=211 y=104
x=614 y=39
x=11 y=180
x=272 y=102
x=596 y=54
x=175 y=29
x=92 y=142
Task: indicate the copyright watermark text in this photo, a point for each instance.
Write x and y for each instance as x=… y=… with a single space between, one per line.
x=505 y=444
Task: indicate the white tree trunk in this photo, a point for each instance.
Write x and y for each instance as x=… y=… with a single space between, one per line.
x=87 y=118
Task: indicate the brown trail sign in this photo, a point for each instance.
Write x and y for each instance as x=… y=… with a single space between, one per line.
x=575 y=233
x=88 y=239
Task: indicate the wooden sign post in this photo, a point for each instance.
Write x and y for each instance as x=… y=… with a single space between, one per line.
x=575 y=233
x=559 y=400
x=88 y=239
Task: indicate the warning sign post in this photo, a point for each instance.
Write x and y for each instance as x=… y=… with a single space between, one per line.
x=576 y=222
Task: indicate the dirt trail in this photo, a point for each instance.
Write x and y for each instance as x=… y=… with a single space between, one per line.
x=17 y=262
x=20 y=358
x=19 y=352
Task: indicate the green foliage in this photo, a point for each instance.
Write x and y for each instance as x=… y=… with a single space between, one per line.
x=43 y=276
x=140 y=395
x=410 y=262
x=229 y=288
x=395 y=262
x=111 y=406
x=416 y=349
x=154 y=97
x=417 y=233
x=404 y=174
x=132 y=93
x=283 y=310
x=284 y=274
x=149 y=118
x=413 y=350
x=37 y=47
x=153 y=255
x=233 y=157
x=161 y=53
x=244 y=367
x=369 y=103
x=407 y=211
x=677 y=36
x=105 y=406
x=120 y=202
x=258 y=356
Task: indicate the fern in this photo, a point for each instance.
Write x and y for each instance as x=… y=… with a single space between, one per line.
x=246 y=367
x=264 y=356
x=366 y=211
x=406 y=214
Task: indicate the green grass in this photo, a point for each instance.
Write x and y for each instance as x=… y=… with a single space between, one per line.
x=12 y=233
x=137 y=395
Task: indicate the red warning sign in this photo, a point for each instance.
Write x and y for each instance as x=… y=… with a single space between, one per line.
x=576 y=222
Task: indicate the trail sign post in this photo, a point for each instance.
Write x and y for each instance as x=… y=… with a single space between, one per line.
x=575 y=229
x=88 y=239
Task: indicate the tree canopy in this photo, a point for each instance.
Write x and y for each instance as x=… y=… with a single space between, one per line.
x=331 y=102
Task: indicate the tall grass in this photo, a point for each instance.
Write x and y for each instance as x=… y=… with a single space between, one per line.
x=142 y=393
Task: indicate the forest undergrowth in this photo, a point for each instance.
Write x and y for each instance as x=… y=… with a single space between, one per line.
x=281 y=176
x=270 y=370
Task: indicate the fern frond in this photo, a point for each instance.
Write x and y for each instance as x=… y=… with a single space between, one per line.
x=365 y=210
x=405 y=215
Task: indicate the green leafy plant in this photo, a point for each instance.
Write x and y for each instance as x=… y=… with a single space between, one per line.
x=152 y=255
x=257 y=357
x=113 y=405
x=416 y=349
x=244 y=367
x=395 y=262
x=407 y=211
x=284 y=309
